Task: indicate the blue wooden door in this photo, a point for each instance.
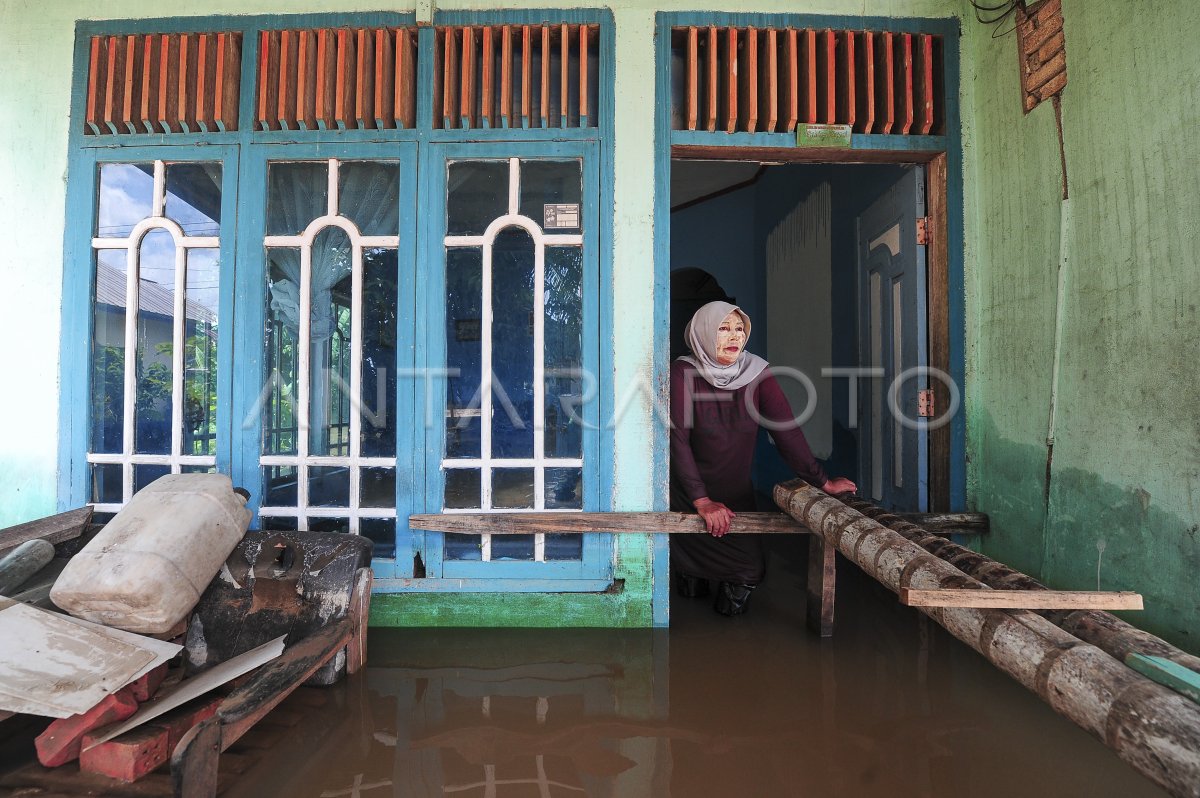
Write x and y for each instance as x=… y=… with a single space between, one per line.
x=893 y=439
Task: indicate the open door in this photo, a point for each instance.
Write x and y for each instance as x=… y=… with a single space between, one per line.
x=893 y=448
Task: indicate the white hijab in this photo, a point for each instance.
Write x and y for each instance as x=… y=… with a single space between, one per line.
x=701 y=337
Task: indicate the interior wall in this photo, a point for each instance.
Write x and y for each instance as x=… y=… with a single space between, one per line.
x=1117 y=507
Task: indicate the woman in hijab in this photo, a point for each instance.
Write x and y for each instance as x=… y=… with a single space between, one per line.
x=720 y=395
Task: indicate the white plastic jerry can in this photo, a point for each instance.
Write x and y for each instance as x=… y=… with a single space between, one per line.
x=145 y=571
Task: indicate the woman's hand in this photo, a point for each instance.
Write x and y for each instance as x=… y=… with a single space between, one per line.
x=839 y=485
x=716 y=516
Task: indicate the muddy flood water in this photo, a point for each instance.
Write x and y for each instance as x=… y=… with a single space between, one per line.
x=714 y=706
x=751 y=706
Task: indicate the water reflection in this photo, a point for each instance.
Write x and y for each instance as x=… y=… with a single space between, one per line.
x=714 y=707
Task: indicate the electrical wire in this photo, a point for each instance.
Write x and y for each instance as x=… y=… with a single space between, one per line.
x=998 y=14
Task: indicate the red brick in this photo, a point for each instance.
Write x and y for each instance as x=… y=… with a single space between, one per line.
x=60 y=742
x=179 y=721
x=128 y=757
x=145 y=687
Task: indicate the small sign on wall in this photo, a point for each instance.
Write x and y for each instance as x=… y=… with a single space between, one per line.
x=823 y=135
x=561 y=215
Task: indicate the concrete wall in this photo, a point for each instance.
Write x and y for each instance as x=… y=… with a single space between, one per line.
x=1117 y=508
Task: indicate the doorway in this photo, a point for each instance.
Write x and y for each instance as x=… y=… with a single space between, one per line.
x=827 y=261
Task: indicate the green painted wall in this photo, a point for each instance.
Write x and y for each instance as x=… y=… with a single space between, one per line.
x=1126 y=465
x=34 y=115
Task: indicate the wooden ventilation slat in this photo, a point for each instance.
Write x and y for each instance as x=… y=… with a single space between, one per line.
x=527 y=76
x=162 y=83
x=770 y=80
x=326 y=79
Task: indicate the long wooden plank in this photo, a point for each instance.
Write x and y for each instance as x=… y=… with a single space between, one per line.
x=285 y=95
x=97 y=67
x=406 y=95
x=791 y=59
x=54 y=528
x=265 y=105
x=712 y=65
x=953 y=522
x=866 y=97
x=326 y=88
x=731 y=82
x=923 y=65
x=168 y=98
x=884 y=72
x=526 y=77
x=1167 y=673
x=692 y=78
x=585 y=35
x=544 y=95
x=487 y=78
x=822 y=586
x=186 y=106
x=528 y=523
x=206 y=61
x=1021 y=599
x=466 y=108
x=904 y=84
x=847 y=80
x=937 y=257
x=449 y=79
x=228 y=74
x=343 y=95
x=564 y=80
x=829 y=82
x=506 y=90
x=131 y=83
x=364 y=79
x=809 y=76
x=385 y=77
x=113 y=82
x=306 y=79
x=148 y=94
x=748 y=75
x=768 y=82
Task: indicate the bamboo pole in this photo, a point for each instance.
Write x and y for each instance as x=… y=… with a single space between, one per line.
x=1102 y=629
x=1154 y=729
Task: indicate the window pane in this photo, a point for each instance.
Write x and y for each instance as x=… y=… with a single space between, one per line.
x=462 y=489
x=155 y=342
x=297 y=194
x=512 y=344
x=329 y=359
x=106 y=483
x=279 y=486
x=512 y=488
x=379 y=329
x=278 y=523
x=200 y=353
x=329 y=524
x=378 y=487
x=512 y=547
x=369 y=196
x=108 y=352
x=564 y=352
x=280 y=382
x=328 y=486
x=463 y=547
x=564 y=547
x=564 y=488
x=126 y=198
x=464 y=280
x=143 y=475
x=552 y=183
x=194 y=197
x=196 y=469
x=476 y=193
x=381 y=532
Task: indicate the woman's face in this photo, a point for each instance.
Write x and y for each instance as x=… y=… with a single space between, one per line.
x=731 y=337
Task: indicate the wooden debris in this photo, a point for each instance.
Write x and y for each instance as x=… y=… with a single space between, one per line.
x=128 y=757
x=1152 y=728
x=19 y=565
x=61 y=741
x=950 y=523
x=637 y=523
x=54 y=529
x=1168 y=673
x=1022 y=599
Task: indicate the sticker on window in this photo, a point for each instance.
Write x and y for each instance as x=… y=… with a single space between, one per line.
x=561 y=215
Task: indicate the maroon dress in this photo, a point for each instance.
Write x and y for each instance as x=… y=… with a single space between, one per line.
x=713 y=436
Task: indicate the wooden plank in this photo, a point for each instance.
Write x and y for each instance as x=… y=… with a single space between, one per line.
x=113 y=82
x=467 y=89
x=692 y=82
x=712 y=65
x=748 y=76
x=285 y=93
x=185 y=110
x=791 y=83
x=634 y=522
x=325 y=90
x=19 y=565
x=545 y=93
x=564 y=84
x=225 y=81
x=865 y=116
x=196 y=761
x=364 y=80
x=904 y=85
x=526 y=77
x=768 y=82
x=809 y=76
x=829 y=78
x=487 y=80
x=937 y=260
x=506 y=90
x=343 y=94
x=206 y=56
x=585 y=34
x=97 y=68
x=306 y=79
x=131 y=83
x=54 y=528
x=821 y=587
x=1167 y=673
x=1021 y=599
x=885 y=73
x=385 y=78
x=449 y=78
x=265 y=102
x=731 y=82
x=168 y=76
x=406 y=102
x=924 y=92
x=847 y=80
x=359 y=613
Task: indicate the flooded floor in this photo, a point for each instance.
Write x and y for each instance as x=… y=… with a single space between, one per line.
x=751 y=706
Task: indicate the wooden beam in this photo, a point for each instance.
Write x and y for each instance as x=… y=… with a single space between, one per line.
x=937 y=256
x=822 y=572
x=949 y=523
x=712 y=64
x=1021 y=599
x=1167 y=673
x=55 y=529
x=530 y=523
x=692 y=88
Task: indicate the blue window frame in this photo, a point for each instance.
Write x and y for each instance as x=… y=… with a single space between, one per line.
x=267 y=279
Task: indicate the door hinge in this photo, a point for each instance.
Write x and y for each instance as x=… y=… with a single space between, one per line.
x=925 y=403
x=923 y=228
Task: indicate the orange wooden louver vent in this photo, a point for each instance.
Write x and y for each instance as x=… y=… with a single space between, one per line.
x=523 y=76
x=336 y=79
x=769 y=80
x=163 y=83
x=1043 y=50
